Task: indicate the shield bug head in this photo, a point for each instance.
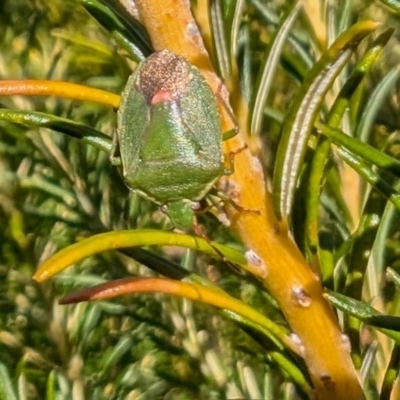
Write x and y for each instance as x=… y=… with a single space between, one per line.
x=169 y=139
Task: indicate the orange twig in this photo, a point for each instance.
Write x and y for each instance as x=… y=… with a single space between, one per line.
x=59 y=89
x=193 y=291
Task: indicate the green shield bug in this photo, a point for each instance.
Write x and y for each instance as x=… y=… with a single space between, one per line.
x=169 y=141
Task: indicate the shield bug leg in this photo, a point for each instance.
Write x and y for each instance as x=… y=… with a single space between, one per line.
x=232 y=132
x=231 y=158
x=115 y=156
x=226 y=199
x=199 y=231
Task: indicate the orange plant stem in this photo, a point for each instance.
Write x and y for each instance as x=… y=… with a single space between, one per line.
x=59 y=89
x=282 y=267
